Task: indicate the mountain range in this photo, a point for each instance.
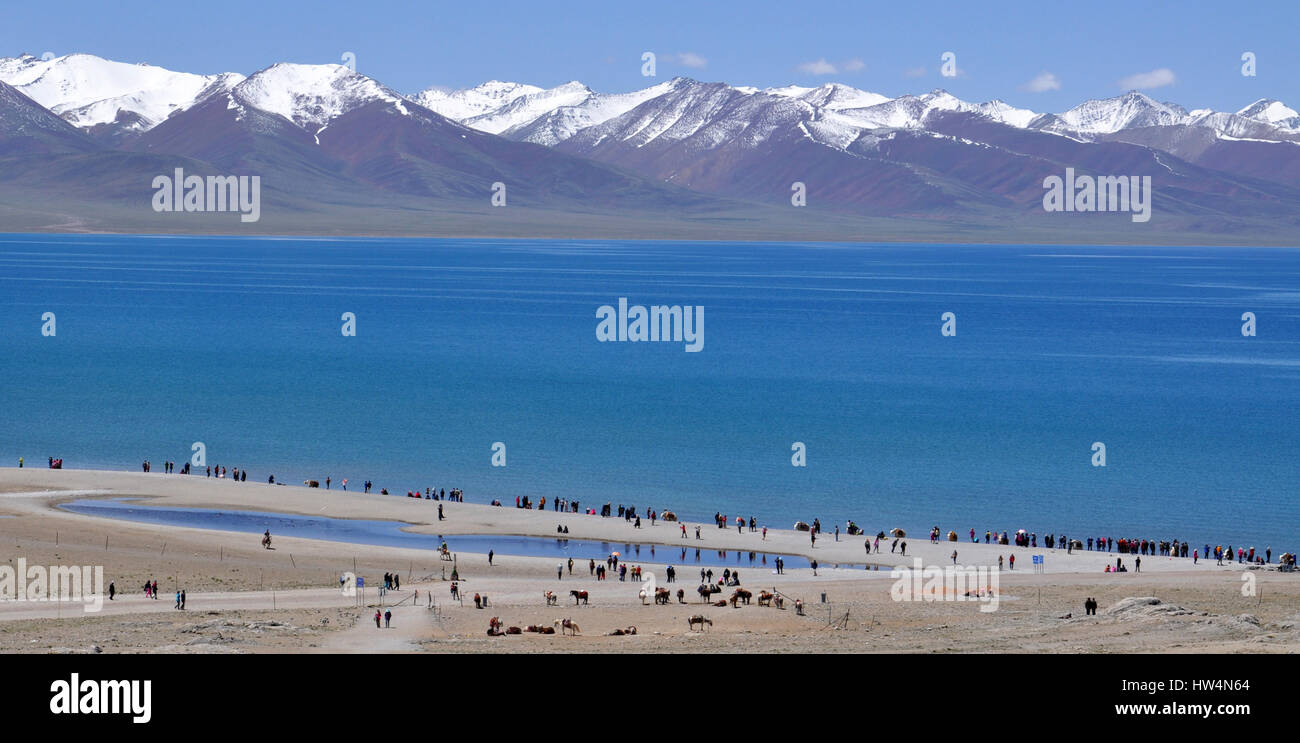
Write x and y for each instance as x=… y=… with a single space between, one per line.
x=81 y=139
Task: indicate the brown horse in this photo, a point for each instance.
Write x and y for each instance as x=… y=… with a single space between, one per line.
x=700 y=620
x=765 y=598
x=578 y=597
x=742 y=595
x=662 y=596
x=681 y=596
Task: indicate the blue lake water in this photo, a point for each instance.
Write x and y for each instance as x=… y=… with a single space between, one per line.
x=235 y=342
x=390 y=534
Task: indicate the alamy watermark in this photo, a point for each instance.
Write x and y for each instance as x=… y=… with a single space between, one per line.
x=638 y=323
x=1106 y=193
x=70 y=583
x=947 y=583
x=215 y=193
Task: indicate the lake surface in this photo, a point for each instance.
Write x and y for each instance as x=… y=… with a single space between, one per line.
x=236 y=342
x=390 y=534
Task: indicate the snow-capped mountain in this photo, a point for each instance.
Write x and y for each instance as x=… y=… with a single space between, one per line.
x=28 y=128
x=1272 y=112
x=1129 y=111
x=311 y=95
x=563 y=122
x=471 y=102
x=912 y=111
x=320 y=133
x=88 y=91
x=525 y=108
x=832 y=96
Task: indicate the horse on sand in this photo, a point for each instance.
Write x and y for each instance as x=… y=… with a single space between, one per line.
x=700 y=620
x=568 y=624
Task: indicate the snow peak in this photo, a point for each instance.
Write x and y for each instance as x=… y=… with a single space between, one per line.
x=658 y=323
x=1107 y=193
x=216 y=193
x=92 y=697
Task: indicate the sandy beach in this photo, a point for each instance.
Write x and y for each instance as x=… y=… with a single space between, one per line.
x=242 y=598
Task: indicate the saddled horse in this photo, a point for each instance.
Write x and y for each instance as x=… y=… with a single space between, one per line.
x=578 y=597
x=706 y=590
x=568 y=624
x=765 y=598
x=662 y=596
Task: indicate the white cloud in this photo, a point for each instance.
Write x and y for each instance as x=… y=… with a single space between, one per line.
x=691 y=59
x=1042 y=83
x=820 y=67
x=1153 y=79
x=914 y=72
x=853 y=65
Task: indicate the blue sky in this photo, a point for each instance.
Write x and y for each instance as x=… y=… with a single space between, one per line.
x=1075 y=51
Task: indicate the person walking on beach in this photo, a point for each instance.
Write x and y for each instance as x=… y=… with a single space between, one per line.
x=489 y=557
x=954 y=557
x=813 y=533
x=178 y=599
x=388 y=618
x=837 y=532
x=903 y=548
x=155 y=590
x=182 y=599
x=591 y=567
x=1195 y=554
x=893 y=547
x=377 y=617
x=1012 y=562
x=1137 y=564
x=559 y=571
x=570 y=566
x=440 y=512
x=112 y=589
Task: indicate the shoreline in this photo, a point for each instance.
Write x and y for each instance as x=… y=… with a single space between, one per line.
x=243 y=598
x=419 y=516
